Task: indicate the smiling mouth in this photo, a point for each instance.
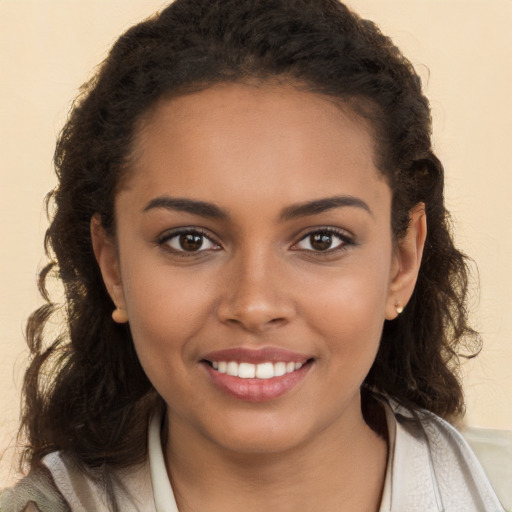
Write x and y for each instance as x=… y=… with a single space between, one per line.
x=257 y=381
x=256 y=375
x=265 y=370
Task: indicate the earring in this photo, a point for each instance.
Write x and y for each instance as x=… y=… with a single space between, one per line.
x=120 y=316
x=398 y=308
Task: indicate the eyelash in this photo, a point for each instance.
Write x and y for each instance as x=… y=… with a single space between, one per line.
x=164 y=240
x=345 y=241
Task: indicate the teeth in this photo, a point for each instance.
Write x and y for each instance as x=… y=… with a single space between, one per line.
x=258 y=371
x=265 y=371
x=246 y=370
x=232 y=369
x=279 y=369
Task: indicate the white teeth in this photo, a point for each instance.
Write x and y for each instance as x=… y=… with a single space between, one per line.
x=266 y=370
x=232 y=369
x=279 y=369
x=246 y=370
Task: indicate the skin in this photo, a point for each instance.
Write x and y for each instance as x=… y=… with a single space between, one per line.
x=257 y=281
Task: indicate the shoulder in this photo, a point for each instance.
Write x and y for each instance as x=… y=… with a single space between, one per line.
x=37 y=492
x=61 y=485
x=85 y=490
x=432 y=461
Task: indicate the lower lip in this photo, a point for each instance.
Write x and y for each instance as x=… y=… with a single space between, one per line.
x=258 y=390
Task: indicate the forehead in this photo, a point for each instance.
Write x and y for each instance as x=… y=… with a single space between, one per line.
x=267 y=137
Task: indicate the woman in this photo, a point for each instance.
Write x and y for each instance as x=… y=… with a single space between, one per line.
x=264 y=301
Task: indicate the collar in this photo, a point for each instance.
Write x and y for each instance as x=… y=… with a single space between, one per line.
x=410 y=482
x=162 y=490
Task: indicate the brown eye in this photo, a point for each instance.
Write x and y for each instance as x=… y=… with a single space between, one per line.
x=320 y=241
x=189 y=241
x=323 y=241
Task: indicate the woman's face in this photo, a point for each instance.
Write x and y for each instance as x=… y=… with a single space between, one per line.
x=253 y=238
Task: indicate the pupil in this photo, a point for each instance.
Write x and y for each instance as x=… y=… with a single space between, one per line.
x=191 y=242
x=321 y=241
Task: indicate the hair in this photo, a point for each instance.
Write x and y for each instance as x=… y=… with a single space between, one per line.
x=85 y=391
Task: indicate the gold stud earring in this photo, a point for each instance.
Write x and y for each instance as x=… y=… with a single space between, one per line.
x=120 y=316
x=398 y=308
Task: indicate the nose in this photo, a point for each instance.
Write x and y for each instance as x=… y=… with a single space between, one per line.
x=257 y=294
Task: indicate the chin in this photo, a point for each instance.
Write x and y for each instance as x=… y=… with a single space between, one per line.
x=260 y=443
x=266 y=433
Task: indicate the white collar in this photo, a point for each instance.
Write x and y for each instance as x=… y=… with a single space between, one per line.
x=162 y=490
x=402 y=449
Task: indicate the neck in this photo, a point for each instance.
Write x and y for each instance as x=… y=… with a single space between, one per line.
x=342 y=469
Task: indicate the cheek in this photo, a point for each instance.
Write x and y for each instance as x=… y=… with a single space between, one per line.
x=351 y=327
x=348 y=309
x=165 y=309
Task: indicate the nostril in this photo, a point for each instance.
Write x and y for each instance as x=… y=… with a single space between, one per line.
x=277 y=320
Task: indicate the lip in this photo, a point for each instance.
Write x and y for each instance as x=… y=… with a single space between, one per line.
x=257 y=390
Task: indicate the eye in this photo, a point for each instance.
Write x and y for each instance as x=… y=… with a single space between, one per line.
x=324 y=240
x=188 y=241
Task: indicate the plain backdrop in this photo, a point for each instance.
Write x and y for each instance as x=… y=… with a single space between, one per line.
x=463 y=52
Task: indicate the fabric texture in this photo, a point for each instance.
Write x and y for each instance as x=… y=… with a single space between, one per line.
x=34 y=493
x=430 y=469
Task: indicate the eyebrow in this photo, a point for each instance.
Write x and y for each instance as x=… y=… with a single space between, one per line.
x=193 y=206
x=322 y=205
x=212 y=211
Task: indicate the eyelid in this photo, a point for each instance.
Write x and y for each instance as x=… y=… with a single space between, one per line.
x=346 y=238
x=164 y=238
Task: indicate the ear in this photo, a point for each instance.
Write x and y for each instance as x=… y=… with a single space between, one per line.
x=406 y=262
x=105 y=251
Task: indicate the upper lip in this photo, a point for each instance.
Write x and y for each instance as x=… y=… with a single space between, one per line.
x=256 y=356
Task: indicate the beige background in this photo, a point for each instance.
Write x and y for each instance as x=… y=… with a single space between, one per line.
x=463 y=51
